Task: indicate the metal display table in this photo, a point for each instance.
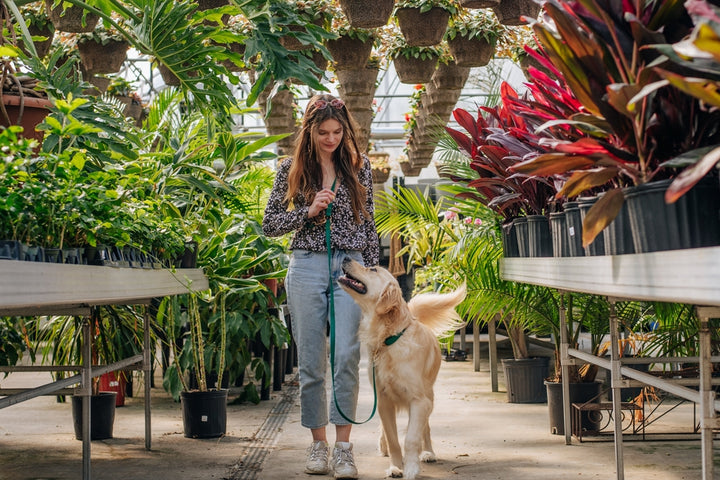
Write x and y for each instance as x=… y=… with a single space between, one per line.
x=689 y=276
x=37 y=289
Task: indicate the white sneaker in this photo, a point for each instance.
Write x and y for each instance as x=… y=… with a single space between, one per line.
x=343 y=463
x=317 y=460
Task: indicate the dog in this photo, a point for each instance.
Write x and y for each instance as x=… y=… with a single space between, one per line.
x=402 y=342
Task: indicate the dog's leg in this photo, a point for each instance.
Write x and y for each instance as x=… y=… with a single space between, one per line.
x=427 y=455
x=419 y=413
x=382 y=443
x=389 y=424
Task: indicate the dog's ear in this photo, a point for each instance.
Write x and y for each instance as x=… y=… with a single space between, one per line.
x=389 y=299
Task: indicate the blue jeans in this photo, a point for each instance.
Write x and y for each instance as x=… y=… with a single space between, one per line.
x=309 y=300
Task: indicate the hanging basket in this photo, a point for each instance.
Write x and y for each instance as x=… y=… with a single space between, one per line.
x=450 y=76
x=414 y=70
x=361 y=15
x=479 y=3
x=42 y=47
x=471 y=52
x=359 y=81
x=208 y=4
x=71 y=19
x=349 y=52
x=423 y=29
x=98 y=58
x=511 y=12
x=292 y=43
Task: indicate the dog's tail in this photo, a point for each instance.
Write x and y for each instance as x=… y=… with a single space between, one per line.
x=437 y=310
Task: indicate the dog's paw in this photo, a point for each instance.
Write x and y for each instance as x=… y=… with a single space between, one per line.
x=411 y=470
x=393 y=472
x=428 y=457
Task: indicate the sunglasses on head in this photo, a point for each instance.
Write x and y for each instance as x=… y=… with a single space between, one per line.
x=336 y=103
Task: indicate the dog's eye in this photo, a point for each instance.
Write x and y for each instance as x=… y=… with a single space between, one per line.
x=373 y=269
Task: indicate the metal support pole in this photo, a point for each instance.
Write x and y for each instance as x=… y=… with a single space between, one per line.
x=476 y=347
x=616 y=384
x=565 y=371
x=707 y=395
x=492 y=352
x=86 y=390
x=147 y=375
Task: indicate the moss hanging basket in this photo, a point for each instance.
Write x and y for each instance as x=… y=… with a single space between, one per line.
x=362 y=15
x=103 y=58
x=414 y=70
x=471 y=52
x=42 y=47
x=359 y=81
x=479 y=3
x=450 y=76
x=72 y=19
x=511 y=12
x=422 y=29
x=349 y=52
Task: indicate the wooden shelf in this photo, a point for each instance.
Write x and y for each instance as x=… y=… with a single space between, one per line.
x=35 y=288
x=684 y=276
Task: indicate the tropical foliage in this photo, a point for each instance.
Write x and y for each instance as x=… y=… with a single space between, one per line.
x=632 y=125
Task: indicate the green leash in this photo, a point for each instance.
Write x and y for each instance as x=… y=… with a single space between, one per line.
x=332 y=326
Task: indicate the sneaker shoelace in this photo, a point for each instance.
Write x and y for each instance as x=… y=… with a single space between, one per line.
x=344 y=457
x=317 y=451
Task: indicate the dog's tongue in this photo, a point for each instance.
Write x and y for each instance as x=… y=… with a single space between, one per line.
x=353 y=284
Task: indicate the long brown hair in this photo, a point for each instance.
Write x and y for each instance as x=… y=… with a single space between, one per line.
x=305 y=174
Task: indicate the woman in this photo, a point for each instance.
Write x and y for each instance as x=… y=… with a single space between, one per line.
x=327 y=168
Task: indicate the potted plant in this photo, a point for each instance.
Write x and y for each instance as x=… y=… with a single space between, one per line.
x=472 y=36
x=71 y=18
x=102 y=50
x=628 y=150
x=423 y=22
x=360 y=16
x=39 y=26
x=352 y=46
x=516 y=12
x=413 y=65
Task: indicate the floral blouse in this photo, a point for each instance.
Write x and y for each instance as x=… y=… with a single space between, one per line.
x=282 y=217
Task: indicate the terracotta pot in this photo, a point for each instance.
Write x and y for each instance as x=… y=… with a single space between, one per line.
x=27 y=112
x=348 y=52
x=360 y=16
x=414 y=70
x=71 y=19
x=471 y=52
x=422 y=29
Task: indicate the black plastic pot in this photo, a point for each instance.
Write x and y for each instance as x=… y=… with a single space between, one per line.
x=559 y=235
x=521 y=234
x=618 y=235
x=204 y=413
x=579 y=393
x=509 y=240
x=102 y=415
x=539 y=240
x=573 y=222
x=597 y=246
x=524 y=379
x=693 y=221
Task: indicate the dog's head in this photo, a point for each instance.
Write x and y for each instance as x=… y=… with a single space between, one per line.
x=375 y=289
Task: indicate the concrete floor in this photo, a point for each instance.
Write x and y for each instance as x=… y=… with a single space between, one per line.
x=477 y=434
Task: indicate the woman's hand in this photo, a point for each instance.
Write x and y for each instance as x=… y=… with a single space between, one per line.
x=322 y=199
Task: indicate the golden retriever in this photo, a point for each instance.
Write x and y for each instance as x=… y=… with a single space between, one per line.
x=401 y=339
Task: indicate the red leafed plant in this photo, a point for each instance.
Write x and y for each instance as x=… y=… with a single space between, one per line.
x=602 y=49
